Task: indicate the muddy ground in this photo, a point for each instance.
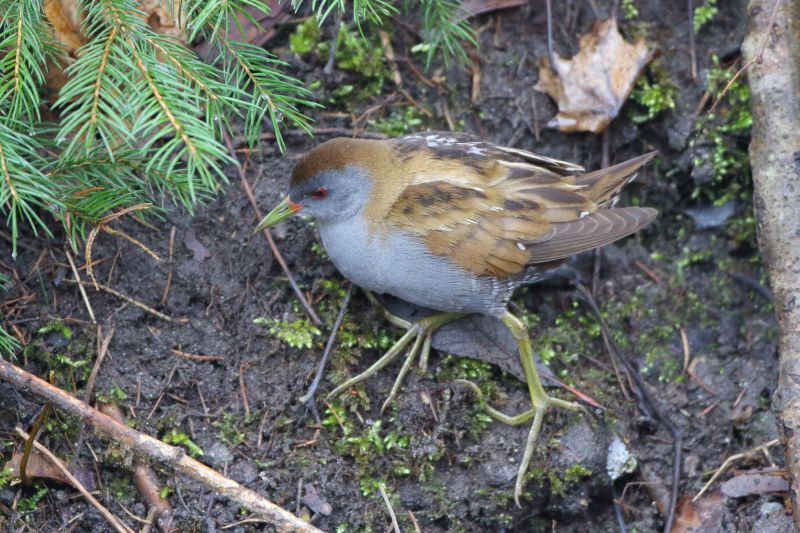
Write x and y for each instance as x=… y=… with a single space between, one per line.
x=445 y=467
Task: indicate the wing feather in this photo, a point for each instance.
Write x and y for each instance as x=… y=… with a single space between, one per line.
x=495 y=217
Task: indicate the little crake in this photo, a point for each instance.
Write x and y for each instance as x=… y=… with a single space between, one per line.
x=453 y=223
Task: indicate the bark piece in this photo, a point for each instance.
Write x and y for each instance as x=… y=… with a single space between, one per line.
x=772 y=47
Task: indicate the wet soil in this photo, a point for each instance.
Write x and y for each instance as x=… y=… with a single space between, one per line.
x=444 y=466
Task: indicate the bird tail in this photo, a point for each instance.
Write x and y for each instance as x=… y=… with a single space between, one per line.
x=604 y=185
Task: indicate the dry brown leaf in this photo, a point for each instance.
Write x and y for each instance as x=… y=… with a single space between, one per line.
x=473 y=8
x=40 y=467
x=755 y=482
x=591 y=87
x=705 y=515
x=65 y=16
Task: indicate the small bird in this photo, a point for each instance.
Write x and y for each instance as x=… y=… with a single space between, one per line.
x=456 y=224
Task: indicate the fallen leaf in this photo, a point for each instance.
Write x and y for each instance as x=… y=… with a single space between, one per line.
x=66 y=17
x=591 y=87
x=473 y=8
x=755 y=482
x=40 y=467
x=707 y=514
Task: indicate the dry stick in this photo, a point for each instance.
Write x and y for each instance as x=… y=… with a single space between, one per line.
x=733 y=458
x=113 y=520
x=645 y=403
x=312 y=389
x=26 y=451
x=154 y=449
x=757 y=58
x=136 y=303
x=388 y=51
x=159 y=509
x=550 y=54
x=775 y=106
x=278 y=257
x=168 y=284
x=692 y=51
x=87 y=393
x=395 y=525
x=80 y=287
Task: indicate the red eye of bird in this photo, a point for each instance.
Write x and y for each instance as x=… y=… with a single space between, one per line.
x=320 y=194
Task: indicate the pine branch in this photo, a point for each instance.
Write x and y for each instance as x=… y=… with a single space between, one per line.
x=24 y=189
x=28 y=47
x=445 y=30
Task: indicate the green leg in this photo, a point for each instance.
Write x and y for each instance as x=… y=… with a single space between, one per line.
x=421 y=332
x=539 y=398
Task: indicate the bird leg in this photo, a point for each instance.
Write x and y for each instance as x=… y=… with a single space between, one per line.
x=539 y=399
x=421 y=331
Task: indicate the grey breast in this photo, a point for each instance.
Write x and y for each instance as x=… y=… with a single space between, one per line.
x=401 y=265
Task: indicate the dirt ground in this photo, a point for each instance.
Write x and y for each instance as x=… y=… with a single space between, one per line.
x=683 y=300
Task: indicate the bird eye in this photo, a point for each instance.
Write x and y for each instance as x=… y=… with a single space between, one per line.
x=320 y=194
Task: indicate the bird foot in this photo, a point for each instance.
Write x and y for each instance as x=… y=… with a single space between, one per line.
x=421 y=332
x=537 y=412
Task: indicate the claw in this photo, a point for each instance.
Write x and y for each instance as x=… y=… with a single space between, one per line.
x=421 y=332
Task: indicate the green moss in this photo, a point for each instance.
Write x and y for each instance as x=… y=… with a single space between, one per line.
x=173 y=436
x=629 y=10
x=576 y=472
x=296 y=333
x=306 y=37
x=6 y=475
x=725 y=132
x=703 y=14
x=228 y=429
x=58 y=327
x=654 y=97
x=400 y=121
x=30 y=503
x=359 y=53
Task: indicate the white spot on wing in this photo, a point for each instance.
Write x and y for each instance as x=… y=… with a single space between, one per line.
x=521 y=246
x=584 y=213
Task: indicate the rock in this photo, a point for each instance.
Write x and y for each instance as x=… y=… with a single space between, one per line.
x=218 y=455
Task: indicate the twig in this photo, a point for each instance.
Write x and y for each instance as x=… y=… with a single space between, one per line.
x=41 y=416
x=328 y=69
x=730 y=460
x=154 y=449
x=159 y=509
x=645 y=403
x=102 y=349
x=687 y=352
x=168 y=284
x=80 y=287
x=136 y=303
x=758 y=58
x=388 y=51
x=395 y=525
x=550 y=54
x=692 y=50
x=101 y=226
x=113 y=520
x=312 y=389
x=278 y=257
x=197 y=357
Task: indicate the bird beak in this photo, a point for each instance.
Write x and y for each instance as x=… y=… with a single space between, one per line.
x=283 y=210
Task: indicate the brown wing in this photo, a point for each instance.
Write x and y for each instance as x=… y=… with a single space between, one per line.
x=507 y=215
